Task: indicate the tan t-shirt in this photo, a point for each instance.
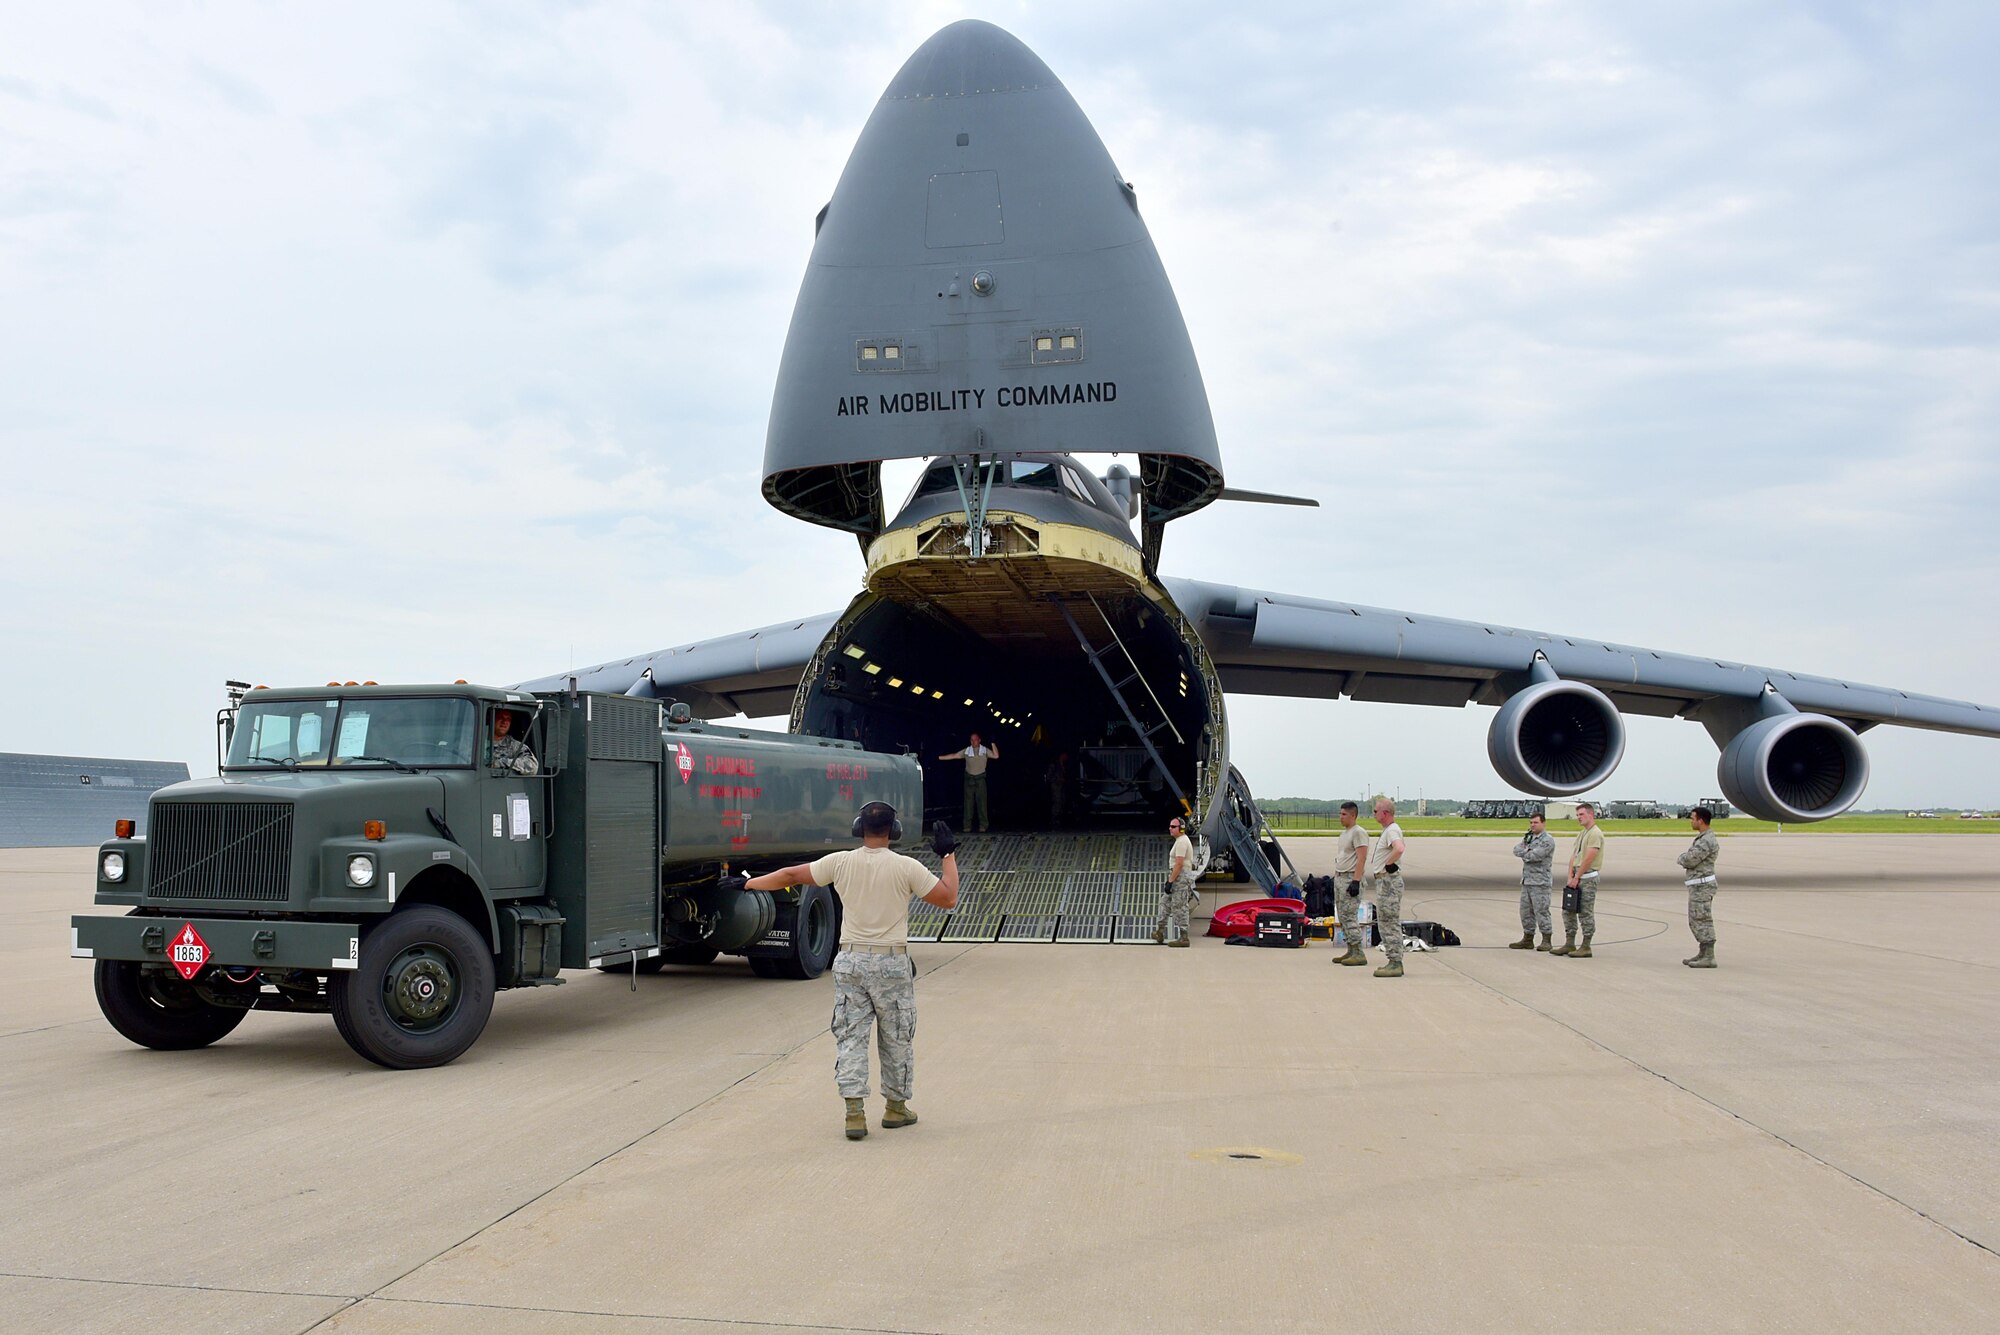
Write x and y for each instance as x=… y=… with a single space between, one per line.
x=1347 y=853
x=876 y=886
x=1183 y=849
x=1385 y=844
x=1585 y=841
x=976 y=758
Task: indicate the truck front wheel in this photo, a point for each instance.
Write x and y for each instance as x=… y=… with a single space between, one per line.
x=421 y=992
x=155 y=1009
x=815 y=938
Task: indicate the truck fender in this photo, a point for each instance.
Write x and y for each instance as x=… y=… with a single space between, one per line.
x=458 y=887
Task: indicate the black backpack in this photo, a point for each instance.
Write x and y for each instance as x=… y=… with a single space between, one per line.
x=1319 y=897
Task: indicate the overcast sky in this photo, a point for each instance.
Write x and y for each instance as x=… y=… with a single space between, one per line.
x=419 y=342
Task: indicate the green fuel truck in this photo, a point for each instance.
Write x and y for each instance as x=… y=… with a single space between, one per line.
x=374 y=852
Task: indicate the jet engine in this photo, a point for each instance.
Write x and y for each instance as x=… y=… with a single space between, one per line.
x=1794 y=767
x=1556 y=738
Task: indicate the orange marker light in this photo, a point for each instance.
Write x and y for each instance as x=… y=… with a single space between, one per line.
x=124 y=829
x=370 y=683
x=374 y=829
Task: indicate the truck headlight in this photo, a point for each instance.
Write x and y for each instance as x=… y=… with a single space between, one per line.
x=361 y=870
x=113 y=866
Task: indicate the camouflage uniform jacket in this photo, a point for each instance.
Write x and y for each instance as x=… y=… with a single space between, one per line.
x=1537 y=853
x=1700 y=857
x=511 y=753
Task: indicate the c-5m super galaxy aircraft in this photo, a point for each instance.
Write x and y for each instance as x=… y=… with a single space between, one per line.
x=984 y=294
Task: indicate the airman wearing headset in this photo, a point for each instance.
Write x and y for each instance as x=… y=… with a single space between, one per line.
x=874 y=979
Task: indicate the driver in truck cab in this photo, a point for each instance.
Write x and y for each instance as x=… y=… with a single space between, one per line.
x=509 y=751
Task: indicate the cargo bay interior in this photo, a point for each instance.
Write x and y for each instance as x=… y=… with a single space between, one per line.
x=912 y=676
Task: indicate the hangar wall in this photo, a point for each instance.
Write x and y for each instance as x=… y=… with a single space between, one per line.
x=71 y=801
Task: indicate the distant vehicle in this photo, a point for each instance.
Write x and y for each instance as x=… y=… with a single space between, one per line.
x=1923 y=815
x=1972 y=815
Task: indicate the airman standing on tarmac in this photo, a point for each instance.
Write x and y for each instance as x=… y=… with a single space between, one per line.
x=1586 y=859
x=1178 y=896
x=1699 y=860
x=874 y=978
x=1350 y=859
x=1385 y=871
x=1537 y=851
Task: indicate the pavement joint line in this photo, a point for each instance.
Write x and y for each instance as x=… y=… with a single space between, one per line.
x=1602 y=1046
x=558 y=1185
x=168 y=1284
x=658 y=1316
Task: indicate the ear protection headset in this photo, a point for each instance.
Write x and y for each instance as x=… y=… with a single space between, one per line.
x=895 y=827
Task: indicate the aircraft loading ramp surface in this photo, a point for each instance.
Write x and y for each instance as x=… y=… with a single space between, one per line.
x=1058 y=886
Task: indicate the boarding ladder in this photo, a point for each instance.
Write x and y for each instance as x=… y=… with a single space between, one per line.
x=1117 y=685
x=1252 y=841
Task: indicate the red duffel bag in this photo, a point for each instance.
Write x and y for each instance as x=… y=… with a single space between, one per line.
x=1241 y=919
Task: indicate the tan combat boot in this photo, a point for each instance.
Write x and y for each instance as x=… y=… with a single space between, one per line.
x=1704 y=958
x=1159 y=936
x=1546 y=942
x=1527 y=942
x=1393 y=969
x=1568 y=947
x=1180 y=941
x=1582 y=952
x=1354 y=955
x=857 y=1120
x=898 y=1113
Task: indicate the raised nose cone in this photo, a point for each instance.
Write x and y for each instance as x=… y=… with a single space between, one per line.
x=966 y=58
x=982 y=283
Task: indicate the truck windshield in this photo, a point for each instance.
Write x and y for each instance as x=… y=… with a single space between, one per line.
x=364 y=733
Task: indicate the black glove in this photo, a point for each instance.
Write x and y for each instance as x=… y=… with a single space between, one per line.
x=731 y=884
x=1354 y=889
x=943 y=841
x=1393 y=868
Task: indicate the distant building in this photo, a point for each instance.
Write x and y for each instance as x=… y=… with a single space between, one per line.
x=71 y=801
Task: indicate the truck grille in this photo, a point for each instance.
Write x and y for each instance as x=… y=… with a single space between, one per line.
x=220 y=850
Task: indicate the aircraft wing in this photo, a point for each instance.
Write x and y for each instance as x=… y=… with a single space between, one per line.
x=755 y=672
x=1278 y=644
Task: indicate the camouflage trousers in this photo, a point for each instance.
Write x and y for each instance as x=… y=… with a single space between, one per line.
x=1701 y=913
x=1175 y=904
x=1586 y=917
x=1535 y=910
x=1348 y=909
x=879 y=992
x=1389 y=911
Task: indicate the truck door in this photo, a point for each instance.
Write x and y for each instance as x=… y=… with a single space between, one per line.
x=513 y=831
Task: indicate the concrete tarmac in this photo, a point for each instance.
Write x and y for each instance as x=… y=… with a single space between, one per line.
x=1806 y=1139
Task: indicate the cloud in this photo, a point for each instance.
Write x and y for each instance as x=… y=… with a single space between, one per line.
x=350 y=342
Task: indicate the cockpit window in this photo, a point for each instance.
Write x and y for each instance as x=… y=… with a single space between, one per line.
x=1042 y=474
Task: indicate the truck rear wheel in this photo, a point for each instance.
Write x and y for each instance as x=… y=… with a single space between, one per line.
x=815 y=938
x=155 y=1009
x=421 y=993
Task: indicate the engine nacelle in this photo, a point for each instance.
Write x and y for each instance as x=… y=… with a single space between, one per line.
x=1556 y=738
x=1794 y=767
